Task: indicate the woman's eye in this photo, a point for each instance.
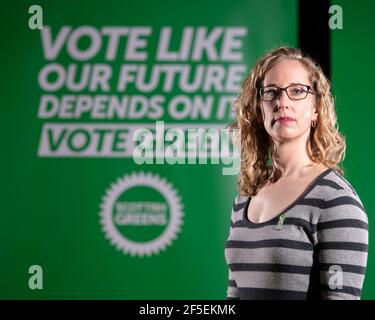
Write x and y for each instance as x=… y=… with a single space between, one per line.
x=297 y=91
x=270 y=92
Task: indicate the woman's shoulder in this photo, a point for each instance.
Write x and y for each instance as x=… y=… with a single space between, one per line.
x=338 y=186
x=340 y=198
x=239 y=203
x=239 y=199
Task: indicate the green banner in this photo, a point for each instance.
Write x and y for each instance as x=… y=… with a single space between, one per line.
x=107 y=193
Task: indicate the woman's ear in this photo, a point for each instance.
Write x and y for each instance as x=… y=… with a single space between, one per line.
x=315 y=114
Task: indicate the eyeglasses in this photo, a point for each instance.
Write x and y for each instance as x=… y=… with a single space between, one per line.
x=293 y=91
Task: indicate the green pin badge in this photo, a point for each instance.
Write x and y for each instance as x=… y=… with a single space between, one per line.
x=280 y=223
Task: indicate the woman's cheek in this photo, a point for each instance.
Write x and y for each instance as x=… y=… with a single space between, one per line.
x=308 y=111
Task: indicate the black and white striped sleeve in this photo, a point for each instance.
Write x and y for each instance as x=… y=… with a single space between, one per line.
x=232 y=289
x=342 y=235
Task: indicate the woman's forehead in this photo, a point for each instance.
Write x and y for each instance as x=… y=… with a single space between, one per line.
x=285 y=72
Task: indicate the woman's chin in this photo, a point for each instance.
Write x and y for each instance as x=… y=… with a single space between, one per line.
x=283 y=134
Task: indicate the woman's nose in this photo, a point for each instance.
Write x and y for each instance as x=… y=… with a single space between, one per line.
x=283 y=99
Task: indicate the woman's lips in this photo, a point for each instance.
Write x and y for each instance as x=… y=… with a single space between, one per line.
x=282 y=120
x=285 y=119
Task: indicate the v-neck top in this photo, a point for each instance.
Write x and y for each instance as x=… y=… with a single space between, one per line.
x=316 y=248
x=294 y=203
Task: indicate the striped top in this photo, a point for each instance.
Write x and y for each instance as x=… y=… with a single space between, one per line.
x=315 y=249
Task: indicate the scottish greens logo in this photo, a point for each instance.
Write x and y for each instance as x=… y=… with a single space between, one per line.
x=141 y=214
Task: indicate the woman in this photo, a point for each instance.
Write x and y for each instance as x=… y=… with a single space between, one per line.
x=298 y=228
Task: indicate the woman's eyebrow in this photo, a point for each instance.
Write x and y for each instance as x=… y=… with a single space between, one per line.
x=275 y=85
x=271 y=84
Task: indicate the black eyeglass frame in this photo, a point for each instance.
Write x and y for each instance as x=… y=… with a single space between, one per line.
x=308 y=90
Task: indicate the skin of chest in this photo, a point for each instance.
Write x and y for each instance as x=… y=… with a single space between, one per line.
x=272 y=199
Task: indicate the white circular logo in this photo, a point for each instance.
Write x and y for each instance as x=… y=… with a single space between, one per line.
x=138 y=226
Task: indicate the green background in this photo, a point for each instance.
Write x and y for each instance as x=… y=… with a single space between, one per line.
x=352 y=64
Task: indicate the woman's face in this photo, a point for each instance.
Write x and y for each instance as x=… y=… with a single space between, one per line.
x=299 y=113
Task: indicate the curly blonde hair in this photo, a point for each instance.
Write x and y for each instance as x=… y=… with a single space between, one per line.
x=324 y=145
